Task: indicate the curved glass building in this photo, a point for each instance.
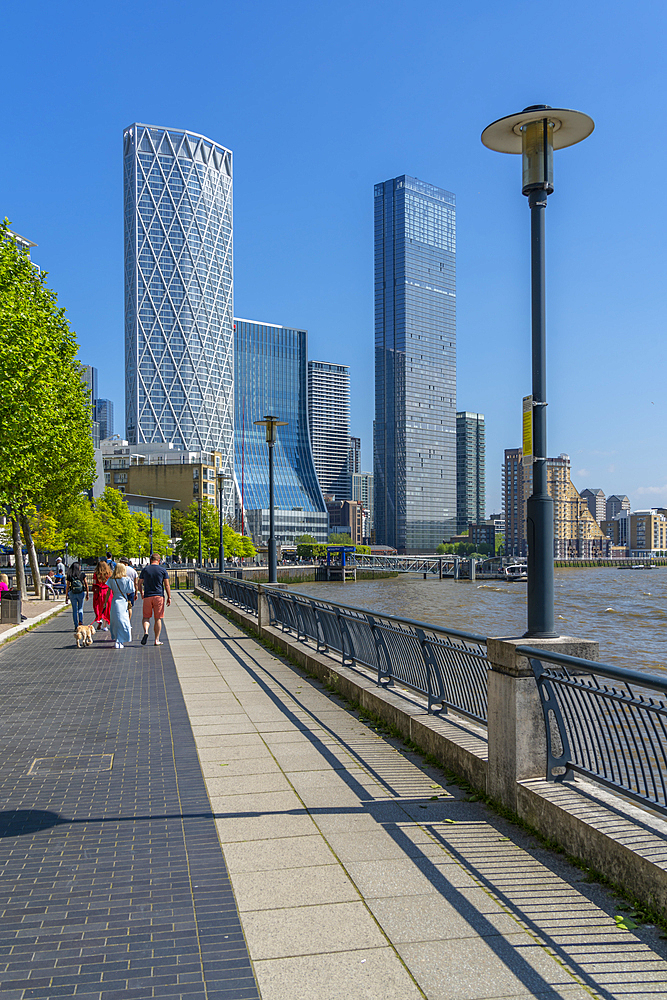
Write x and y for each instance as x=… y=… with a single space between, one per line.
x=179 y=361
x=270 y=366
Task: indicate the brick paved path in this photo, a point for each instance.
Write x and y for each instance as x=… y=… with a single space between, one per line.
x=113 y=881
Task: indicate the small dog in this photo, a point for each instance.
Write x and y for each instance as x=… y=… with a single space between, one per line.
x=84 y=636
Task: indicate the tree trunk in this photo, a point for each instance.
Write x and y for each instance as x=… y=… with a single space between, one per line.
x=18 y=559
x=32 y=555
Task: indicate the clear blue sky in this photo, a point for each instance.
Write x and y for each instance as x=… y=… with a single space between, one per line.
x=320 y=101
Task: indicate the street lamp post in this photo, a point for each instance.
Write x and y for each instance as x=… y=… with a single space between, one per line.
x=199 y=503
x=151 y=505
x=221 y=544
x=535 y=132
x=271 y=423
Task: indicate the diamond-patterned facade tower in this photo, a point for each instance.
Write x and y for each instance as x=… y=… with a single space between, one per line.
x=179 y=341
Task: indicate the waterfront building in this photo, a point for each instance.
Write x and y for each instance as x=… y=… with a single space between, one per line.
x=617 y=529
x=329 y=419
x=648 y=533
x=362 y=490
x=615 y=504
x=513 y=502
x=470 y=469
x=415 y=365
x=346 y=517
x=577 y=535
x=596 y=502
x=178 y=292
x=483 y=533
x=160 y=470
x=354 y=462
x=271 y=377
x=104 y=417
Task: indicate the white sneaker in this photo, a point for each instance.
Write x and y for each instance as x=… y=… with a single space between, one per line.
x=120 y=645
x=117 y=644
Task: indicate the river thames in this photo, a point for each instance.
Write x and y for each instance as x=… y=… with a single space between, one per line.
x=624 y=610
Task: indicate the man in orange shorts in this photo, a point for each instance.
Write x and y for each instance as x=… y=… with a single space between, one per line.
x=153 y=581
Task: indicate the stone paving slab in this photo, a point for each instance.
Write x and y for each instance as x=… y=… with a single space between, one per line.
x=113 y=881
x=369 y=879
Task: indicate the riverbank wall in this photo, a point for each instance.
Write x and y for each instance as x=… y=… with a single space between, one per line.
x=614 y=563
x=306 y=574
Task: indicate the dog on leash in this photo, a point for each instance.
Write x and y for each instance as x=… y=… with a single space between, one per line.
x=84 y=636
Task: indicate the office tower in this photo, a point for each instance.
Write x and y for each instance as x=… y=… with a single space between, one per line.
x=415 y=365
x=179 y=350
x=271 y=379
x=329 y=418
x=615 y=504
x=104 y=417
x=596 y=502
x=354 y=461
x=90 y=379
x=470 y=469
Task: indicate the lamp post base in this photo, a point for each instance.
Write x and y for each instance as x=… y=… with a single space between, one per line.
x=540 y=531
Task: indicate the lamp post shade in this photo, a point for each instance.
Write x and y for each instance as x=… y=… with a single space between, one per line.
x=569 y=127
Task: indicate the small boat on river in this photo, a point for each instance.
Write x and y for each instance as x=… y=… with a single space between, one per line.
x=516 y=572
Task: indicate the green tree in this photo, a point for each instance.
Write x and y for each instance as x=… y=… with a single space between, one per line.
x=305 y=545
x=441 y=549
x=161 y=540
x=46 y=452
x=339 y=538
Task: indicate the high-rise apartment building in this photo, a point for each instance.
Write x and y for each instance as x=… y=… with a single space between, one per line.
x=470 y=469
x=615 y=504
x=104 y=417
x=90 y=377
x=595 y=499
x=270 y=366
x=577 y=535
x=415 y=365
x=329 y=418
x=354 y=460
x=179 y=347
x=362 y=490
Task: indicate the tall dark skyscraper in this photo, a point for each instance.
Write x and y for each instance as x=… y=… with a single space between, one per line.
x=415 y=364
x=470 y=469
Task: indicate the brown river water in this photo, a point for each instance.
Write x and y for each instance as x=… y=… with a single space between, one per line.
x=624 y=610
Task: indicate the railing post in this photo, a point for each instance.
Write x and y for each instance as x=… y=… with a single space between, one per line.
x=263 y=617
x=517 y=738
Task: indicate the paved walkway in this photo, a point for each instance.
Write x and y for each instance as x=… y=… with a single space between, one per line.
x=341 y=875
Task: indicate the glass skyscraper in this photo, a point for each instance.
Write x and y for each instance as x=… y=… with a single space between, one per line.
x=270 y=370
x=179 y=350
x=415 y=365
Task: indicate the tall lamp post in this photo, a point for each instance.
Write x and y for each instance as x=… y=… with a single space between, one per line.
x=199 y=503
x=151 y=505
x=535 y=132
x=271 y=423
x=221 y=544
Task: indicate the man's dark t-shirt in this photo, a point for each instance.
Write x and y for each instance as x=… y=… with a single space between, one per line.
x=154 y=577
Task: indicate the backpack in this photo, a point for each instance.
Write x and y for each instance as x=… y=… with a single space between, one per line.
x=76 y=585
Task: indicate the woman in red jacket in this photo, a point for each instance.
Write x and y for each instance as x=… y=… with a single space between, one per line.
x=102 y=595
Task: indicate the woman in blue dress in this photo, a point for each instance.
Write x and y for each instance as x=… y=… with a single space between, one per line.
x=121 y=587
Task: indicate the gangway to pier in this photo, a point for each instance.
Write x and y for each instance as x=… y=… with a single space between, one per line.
x=431 y=565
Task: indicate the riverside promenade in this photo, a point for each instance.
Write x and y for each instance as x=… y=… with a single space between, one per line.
x=202 y=820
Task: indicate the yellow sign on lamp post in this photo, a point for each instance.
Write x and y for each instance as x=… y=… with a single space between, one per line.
x=527 y=430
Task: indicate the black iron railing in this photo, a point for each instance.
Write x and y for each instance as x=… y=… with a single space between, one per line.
x=604 y=722
x=446 y=665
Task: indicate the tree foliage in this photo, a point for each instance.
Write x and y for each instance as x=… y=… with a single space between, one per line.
x=234 y=543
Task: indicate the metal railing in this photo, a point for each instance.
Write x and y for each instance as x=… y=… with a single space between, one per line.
x=446 y=665
x=614 y=733
x=603 y=722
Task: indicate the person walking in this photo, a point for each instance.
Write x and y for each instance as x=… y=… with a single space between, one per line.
x=60 y=566
x=102 y=596
x=121 y=588
x=76 y=591
x=153 y=581
x=132 y=576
